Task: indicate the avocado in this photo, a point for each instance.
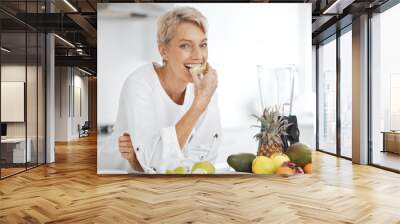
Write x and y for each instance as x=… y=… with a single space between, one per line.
x=300 y=154
x=241 y=162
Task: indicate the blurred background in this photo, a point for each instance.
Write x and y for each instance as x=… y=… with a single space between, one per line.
x=262 y=53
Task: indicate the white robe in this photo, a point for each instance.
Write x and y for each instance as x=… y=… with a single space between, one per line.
x=149 y=115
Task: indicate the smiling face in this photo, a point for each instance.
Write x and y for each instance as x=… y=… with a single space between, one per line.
x=187 y=47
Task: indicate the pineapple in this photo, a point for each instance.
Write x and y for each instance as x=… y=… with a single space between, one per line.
x=272 y=128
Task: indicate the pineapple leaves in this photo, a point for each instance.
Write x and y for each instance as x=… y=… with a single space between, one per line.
x=272 y=127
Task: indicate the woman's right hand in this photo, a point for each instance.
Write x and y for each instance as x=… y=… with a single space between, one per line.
x=127 y=151
x=205 y=88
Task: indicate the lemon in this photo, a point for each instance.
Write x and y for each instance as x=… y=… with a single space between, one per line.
x=180 y=170
x=263 y=165
x=276 y=154
x=203 y=167
x=279 y=160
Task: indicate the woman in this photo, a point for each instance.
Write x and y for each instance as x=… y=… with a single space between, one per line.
x=169 y=117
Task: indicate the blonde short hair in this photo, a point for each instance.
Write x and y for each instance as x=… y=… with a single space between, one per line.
x=168 y=22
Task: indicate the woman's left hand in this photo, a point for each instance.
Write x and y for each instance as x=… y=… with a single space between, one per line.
x=205 y=88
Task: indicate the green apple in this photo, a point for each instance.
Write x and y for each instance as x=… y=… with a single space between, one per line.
x=203 y=167
x=178 y=170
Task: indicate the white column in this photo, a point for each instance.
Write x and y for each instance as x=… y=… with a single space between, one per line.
x=360 y=90
x=50 y=99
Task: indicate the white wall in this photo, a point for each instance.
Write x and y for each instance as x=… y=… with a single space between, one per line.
x=240 y=37
x=66 y=121
x=80 y=82
x=17 y=73
x=250 y=34
x=61 y=103
x=124 y=44
x=33 y=126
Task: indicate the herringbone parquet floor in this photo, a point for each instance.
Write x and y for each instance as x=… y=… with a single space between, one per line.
x=70 y=191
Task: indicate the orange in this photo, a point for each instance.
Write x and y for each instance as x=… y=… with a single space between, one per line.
x=284 y=170
x=308 y=168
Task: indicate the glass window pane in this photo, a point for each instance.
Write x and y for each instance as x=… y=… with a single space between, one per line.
x=386 y=89
x=22 y=88
x=346 y=94
x=327 y=96
x=13 y=86
x=31 y=85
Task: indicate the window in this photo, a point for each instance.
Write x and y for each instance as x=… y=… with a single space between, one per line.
x=327 y=97
x=385 y=87
x=346 y=94
x=23 y=89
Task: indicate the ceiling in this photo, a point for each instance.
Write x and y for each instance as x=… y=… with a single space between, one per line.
x=74 y=21
x=332 y=15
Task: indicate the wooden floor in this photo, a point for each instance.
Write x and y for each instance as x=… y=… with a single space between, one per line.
x=5 y=172
x=70 y=191
x=10 y=171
